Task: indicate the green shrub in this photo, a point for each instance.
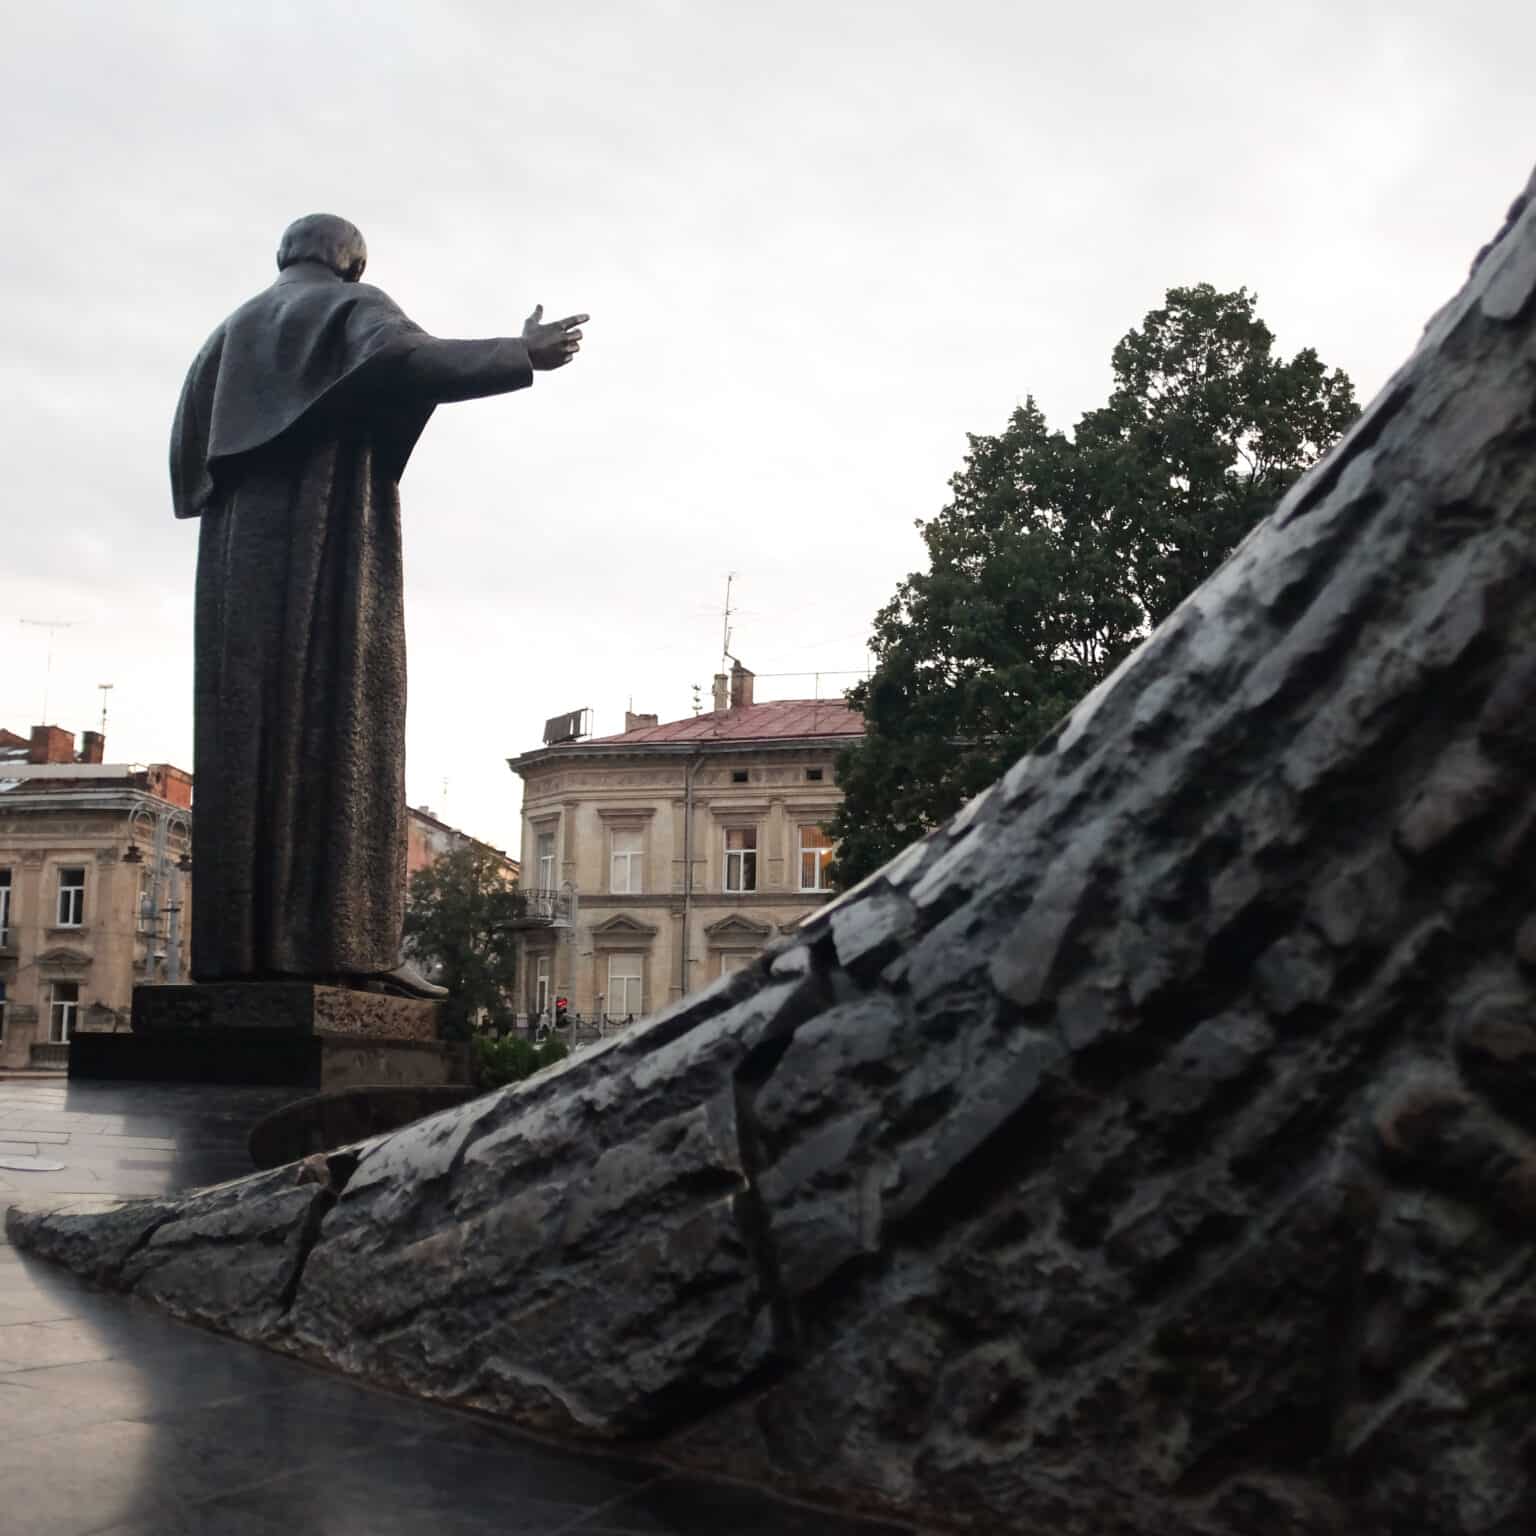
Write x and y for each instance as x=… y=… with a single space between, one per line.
x=512 y=1058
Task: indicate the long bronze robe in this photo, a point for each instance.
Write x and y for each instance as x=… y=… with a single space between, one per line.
x=294 y=426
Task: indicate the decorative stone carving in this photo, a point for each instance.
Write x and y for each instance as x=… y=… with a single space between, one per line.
x=1150 y=1149
x=621 y=930
x=61 y=960
x=736 y=931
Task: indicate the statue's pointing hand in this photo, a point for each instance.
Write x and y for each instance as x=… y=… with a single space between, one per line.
x=552 y=344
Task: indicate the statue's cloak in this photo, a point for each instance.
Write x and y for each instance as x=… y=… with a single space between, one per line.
x=307 y=343
x=296 y=420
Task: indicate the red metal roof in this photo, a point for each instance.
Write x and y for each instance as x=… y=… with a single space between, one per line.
x=777 y=720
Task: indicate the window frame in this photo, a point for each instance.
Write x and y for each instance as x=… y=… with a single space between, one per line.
x=824 y=850
x=77 y=892
x=6 y=886
x=543 y=986
x=626 y=956
x=542 y=859
x=63 y=1013
x=634 y=862
x=749 y=851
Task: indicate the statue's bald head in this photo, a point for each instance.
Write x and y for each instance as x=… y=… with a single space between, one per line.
x=331 y=241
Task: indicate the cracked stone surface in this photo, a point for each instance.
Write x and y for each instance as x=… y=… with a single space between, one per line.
x=1151 y=1149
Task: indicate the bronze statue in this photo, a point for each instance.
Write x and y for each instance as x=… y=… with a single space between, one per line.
x=294 y=426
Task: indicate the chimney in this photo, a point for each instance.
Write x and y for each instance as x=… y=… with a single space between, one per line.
x=634 y=722
x=51 y=744
x=173 y=784
x=93 y=746
x=741 y=686
x=722 y=699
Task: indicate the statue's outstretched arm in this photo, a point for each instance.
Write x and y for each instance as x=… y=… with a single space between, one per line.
x=440 y=371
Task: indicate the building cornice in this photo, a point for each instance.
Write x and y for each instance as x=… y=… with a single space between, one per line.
x=570 y=752
x=591 y=901
x=87 y=799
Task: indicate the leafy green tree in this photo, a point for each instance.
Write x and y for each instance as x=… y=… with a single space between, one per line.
x=1057 y=554
x=458 y=921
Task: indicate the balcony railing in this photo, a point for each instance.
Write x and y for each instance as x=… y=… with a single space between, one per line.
x=574 y=1029
x=546 y=909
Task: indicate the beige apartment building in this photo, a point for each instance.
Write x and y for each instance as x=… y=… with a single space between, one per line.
x=95 y=888
x=668 y=855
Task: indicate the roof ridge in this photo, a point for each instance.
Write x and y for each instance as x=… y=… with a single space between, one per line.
x=765 y=719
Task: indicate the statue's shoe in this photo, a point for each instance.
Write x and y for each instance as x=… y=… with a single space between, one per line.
x=406 y=981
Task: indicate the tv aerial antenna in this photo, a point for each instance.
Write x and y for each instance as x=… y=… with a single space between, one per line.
x=725 y=633
x=51 y=625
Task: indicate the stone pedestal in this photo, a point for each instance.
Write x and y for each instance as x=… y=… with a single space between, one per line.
x=291 y=1033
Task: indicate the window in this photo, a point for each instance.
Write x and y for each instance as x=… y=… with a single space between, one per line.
x=813 y=775
x=625 y=875
x=625 y=978
x=71 y=897
x=730 y=964
x=541 y=984
x=815 y=854
x=738 y=775
x=5 y=907
x=741 y=858
x=546 y=861
x=63 y=1010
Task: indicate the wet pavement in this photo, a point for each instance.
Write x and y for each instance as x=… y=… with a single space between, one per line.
x=117 y=1421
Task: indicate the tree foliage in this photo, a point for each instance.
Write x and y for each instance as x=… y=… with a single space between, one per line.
x=1057 y=554
x=458 y=921
x=498 y=1061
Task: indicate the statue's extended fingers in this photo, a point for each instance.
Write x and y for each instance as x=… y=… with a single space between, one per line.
x=571 y=320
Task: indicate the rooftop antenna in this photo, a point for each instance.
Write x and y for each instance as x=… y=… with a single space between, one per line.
x=50 y=625
x=725 y=634
x=104 y=689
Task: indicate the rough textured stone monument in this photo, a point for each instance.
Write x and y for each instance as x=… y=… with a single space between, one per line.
x=1150 y=1149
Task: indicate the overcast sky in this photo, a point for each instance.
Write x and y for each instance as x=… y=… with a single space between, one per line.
x=820 y=242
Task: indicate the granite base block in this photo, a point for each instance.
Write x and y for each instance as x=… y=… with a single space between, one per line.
x=267 y=1057
x=301 y=1006
x=246 y=1056
x=297 y=1034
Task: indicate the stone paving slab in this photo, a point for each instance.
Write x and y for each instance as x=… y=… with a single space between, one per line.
x=117 y=1421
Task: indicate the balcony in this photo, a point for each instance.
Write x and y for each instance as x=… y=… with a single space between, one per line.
x=545 y=909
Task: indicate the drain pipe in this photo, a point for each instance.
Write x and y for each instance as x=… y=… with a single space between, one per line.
x=693 y=768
